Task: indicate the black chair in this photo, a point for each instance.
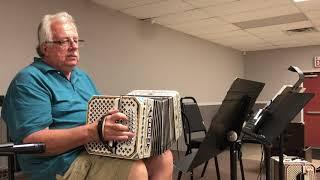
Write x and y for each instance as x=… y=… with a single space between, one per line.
x=11 y=150
x=193 y=123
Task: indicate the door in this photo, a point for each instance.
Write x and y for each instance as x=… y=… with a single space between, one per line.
x=312 y=111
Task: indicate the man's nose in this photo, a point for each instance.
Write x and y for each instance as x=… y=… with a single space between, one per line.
x=73 y=44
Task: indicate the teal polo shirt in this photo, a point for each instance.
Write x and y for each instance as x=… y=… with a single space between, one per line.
x=39 y=97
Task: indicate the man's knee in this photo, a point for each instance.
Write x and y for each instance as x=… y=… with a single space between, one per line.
x=165 y=160
x=168 y=157
x=138 y=171
x=160 y=165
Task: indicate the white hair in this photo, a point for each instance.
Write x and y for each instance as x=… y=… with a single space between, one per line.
x=44 y=28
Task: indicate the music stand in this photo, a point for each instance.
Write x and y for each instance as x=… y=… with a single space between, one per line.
x=233 y=111
x=271 y=121
x=276 y=117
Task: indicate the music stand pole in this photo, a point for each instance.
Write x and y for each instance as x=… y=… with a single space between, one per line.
x=232 y=137
x=241 y=164
x=281 y=164
x=267 y=156
x=233 y=161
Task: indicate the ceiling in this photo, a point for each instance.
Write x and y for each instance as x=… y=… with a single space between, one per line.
x=245 y=25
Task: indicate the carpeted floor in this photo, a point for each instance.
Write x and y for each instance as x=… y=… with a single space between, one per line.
x=251 y=163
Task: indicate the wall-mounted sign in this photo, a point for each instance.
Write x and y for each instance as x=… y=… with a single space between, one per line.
x=317 y=61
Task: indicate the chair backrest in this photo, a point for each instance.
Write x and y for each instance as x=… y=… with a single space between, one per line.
x=4 y=134
x=1 y=103
x=191 y=117
x=1 y=100
x=13 y=166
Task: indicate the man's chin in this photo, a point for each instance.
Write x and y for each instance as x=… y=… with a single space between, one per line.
x=68 y=67
x=72 y=61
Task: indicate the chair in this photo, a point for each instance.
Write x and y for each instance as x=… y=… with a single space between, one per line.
x=193 y=123
x=11 y=150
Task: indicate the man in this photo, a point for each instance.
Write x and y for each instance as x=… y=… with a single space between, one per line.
x=47 y=102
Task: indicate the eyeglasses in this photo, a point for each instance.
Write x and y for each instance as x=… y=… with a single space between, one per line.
x=68 y=42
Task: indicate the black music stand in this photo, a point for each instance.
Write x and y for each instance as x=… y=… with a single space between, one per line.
x=276 y=118
x=234 y=110
x=271 y=121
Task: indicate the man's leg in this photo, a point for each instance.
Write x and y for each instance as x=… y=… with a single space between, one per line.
x=160 y=167
x=138 y=171
x=92 y=167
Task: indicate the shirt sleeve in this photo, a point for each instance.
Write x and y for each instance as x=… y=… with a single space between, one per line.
x=29 y=109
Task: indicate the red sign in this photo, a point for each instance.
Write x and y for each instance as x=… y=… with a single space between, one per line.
x=317 y=61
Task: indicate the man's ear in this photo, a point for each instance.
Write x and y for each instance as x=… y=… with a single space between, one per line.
x=44 y=49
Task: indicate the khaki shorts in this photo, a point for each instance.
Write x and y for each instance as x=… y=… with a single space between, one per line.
x=92 y=167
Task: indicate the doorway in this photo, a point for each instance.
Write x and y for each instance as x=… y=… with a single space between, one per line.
x=312 y=110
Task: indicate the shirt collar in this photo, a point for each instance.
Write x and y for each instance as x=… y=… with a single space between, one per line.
x=43 y=67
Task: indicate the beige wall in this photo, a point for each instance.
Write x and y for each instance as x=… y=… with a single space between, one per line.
x=271 y=66
x=122 y=53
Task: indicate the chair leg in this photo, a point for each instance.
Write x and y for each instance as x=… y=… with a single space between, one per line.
x=188 y=151
x=204 y=168
x=241 y=165
x=217 y=167
x=242 y=170
x=11 y=167
x=179 y=175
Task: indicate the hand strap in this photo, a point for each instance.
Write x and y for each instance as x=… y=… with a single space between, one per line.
x=100 y=129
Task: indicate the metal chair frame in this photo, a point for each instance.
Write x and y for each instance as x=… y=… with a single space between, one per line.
x=11 y=152
x=194 y=143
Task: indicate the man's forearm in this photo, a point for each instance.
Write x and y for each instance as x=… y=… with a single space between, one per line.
x=58 y=141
